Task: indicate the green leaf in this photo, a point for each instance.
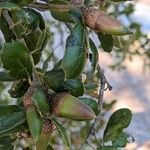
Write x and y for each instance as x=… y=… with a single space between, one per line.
x=122 y=140
x=75 y=54
x=41 y=101
x=7 y=147
x=4 y=76
x=106 y=41
x=18 y=88
x=62 y=132
x=21 y=2
x=34 y=122
x=8 y=6
x=33 y=39
x=10 y=118
x=90 y=86
x=107 y=148
x=91 y=103
x=19 y=17
x=6 y=110
x=16 y=59
x=119 y=120
x=94 y=59
x=49 y=147
x=5 y=140
x=54 y=79
x=74 y=87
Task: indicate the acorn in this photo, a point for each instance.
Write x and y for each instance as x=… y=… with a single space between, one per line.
x=68 y=106
x=99 y=21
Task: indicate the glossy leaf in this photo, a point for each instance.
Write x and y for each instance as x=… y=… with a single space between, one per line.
x=54 y=79
x=34 y=122
x=49 y=147
x=41 y=101
x=8 y=6
x=91 y=103
x=121 y=141
x=6 y=140
x=15 y=58
x=6 y=110
x=118 y=121
x=62 y=132
x=74 y=87
x=4 y=76
x=75 y=54
x=10 y=118
x=106 y=41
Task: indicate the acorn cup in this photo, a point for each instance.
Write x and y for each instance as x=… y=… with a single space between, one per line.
x=101 y=22
x=47 y=130
x=68 y=106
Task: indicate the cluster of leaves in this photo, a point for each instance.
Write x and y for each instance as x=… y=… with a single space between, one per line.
x=43 y=93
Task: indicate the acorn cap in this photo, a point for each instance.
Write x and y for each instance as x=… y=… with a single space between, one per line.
x=48 y=127
x=68 y=106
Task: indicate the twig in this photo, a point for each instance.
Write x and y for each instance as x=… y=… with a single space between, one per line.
x=9 y=21
x=100 y=103
x=45 y=7
x=104 y=82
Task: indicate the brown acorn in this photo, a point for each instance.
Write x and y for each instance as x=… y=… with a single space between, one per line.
x=99 y=21
x=68 y=106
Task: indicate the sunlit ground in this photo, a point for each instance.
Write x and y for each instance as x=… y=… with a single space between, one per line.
x=131 y=87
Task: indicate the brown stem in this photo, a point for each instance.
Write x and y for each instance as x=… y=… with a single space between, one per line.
x=45 y=7
x=103 y=81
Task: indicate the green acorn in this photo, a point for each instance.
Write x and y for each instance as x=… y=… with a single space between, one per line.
x=68 y=106
x=101 y=22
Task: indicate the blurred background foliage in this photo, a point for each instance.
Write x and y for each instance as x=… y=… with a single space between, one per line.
x=124 y=48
